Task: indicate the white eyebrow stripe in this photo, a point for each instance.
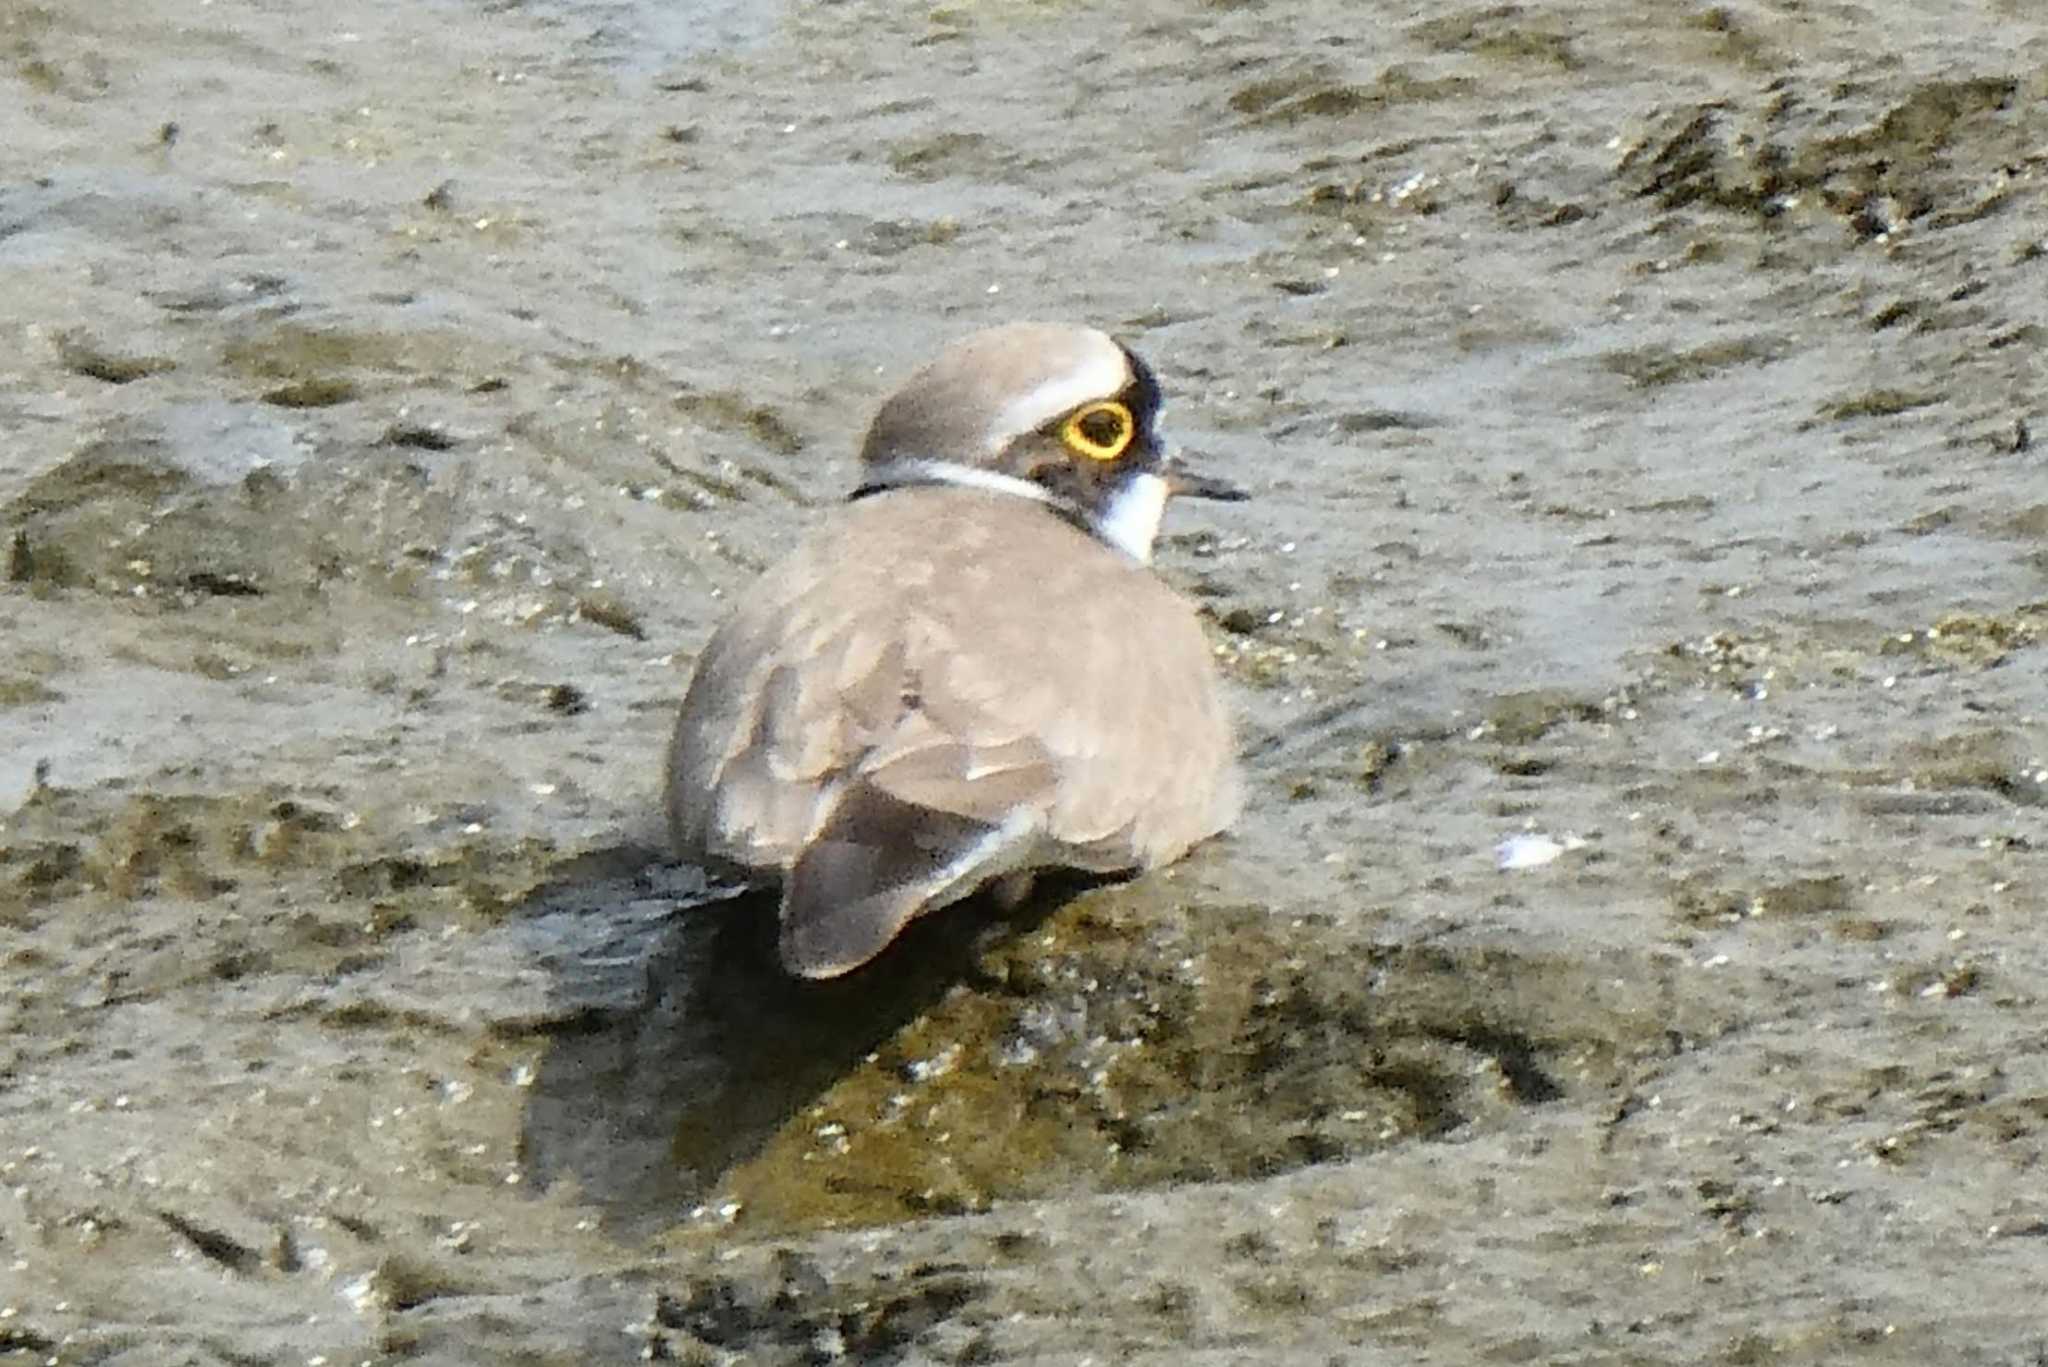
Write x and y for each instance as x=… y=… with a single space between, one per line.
x=1101 y=375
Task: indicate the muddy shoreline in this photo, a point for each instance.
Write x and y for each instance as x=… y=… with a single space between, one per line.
x=1643 y=412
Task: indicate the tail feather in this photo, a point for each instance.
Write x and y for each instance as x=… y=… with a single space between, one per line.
x=874 y=866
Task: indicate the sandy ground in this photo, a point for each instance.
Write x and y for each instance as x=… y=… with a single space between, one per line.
x=1641 y=403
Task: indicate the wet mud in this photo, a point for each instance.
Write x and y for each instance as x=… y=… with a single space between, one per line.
x=1630 y=951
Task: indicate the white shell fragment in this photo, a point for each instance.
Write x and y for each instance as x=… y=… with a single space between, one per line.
x=1531 y=850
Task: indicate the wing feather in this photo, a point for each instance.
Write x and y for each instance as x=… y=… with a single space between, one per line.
x=925 y=672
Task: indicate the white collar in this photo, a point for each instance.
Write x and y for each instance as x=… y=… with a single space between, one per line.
x=1129 y=522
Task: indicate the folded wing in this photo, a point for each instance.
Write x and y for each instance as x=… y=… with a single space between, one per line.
x=887 y=747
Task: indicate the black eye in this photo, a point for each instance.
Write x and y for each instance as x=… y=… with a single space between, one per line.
x=1101 y=431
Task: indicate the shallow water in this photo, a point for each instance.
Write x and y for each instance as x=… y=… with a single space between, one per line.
x=1640 y=408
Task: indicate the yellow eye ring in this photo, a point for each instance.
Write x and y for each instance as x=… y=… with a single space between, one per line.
x=1101 y=431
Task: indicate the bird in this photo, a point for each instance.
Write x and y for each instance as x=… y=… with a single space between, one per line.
x=969 y=673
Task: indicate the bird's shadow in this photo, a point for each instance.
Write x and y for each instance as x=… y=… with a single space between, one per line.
x=677 y=1044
